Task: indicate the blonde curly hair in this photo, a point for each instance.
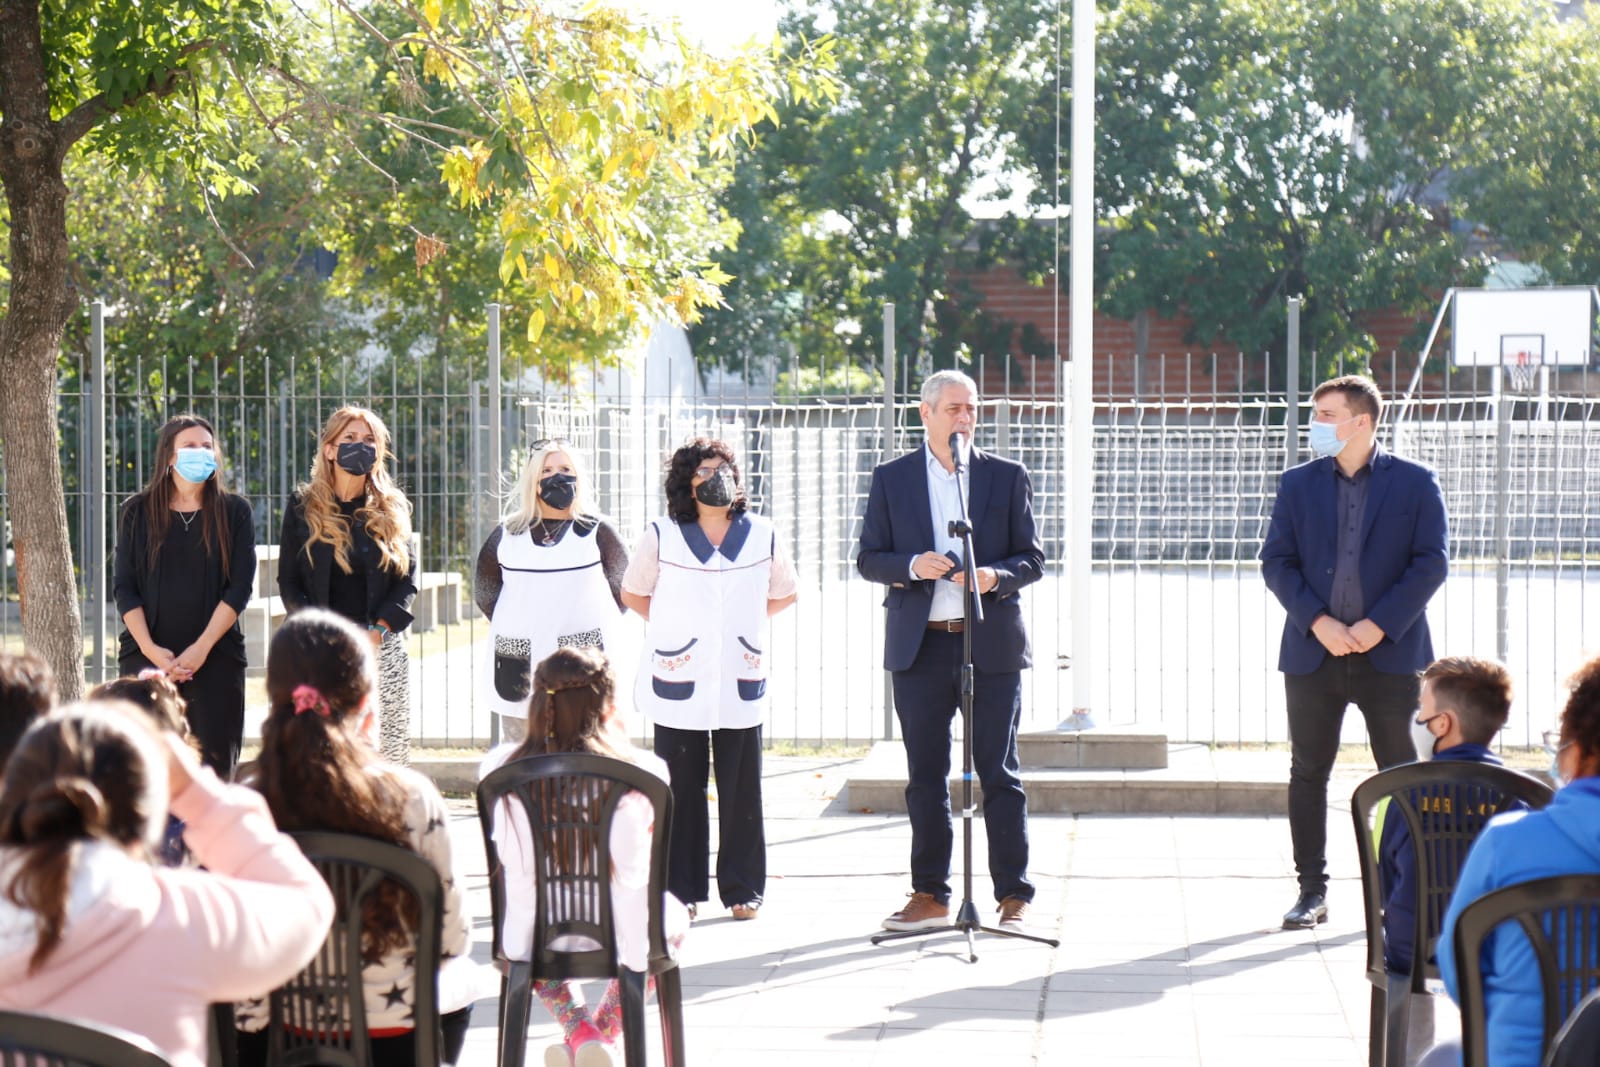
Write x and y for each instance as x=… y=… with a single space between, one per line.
x=386 y=514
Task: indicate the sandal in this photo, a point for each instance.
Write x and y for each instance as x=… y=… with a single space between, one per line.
x=745 y=911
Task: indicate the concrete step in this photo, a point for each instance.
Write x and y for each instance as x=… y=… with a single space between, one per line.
x=1196 y=780
x=1107 y=748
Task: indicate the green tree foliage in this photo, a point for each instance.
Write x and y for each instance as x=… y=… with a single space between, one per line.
x=559 y=134
x=1531 y=180
x=1250 y=150
x=848 y=205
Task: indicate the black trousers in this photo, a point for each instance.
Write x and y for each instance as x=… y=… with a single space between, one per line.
x=735 y=755
x=214 y=699
x=1316 y=706
x=927 y=698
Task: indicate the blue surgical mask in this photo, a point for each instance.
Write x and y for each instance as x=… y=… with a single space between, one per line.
x=1557 y=779
x=195 y=464
x=1324 y=438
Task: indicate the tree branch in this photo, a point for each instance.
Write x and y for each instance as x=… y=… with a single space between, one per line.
x=95 y=110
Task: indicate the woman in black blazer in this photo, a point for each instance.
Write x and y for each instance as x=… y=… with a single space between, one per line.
x=346 y=546
x=185 y=569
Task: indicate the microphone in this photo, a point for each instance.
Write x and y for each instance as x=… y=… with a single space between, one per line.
x=960 y=449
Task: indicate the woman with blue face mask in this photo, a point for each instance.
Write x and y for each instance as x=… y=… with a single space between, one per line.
x=185 y=569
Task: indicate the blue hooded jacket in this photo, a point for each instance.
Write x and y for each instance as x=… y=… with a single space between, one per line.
x=1520 y=846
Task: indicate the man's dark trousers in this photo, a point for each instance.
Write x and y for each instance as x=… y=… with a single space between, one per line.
x=1316 y=706
x=927 y=698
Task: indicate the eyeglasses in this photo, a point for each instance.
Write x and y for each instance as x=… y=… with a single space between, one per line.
x=546 y=442
x=705 y=474
x=1552 y=742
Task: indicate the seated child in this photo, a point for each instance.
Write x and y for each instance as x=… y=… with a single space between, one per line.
x=319 y=770
x=90 y=929
x=573 y=709
x=157 y=696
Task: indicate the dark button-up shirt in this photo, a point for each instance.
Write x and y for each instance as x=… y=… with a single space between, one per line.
x=1346 y=601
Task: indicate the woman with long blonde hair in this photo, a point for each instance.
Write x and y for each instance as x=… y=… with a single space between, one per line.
x=346 y=546
x=549 y=576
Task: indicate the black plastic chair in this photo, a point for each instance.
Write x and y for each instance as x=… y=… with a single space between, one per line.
x=1577 y=1043
x=46 y=1041
x=319 y=1016
x=570 y=801
x=1445 y=805
x=1561 y=919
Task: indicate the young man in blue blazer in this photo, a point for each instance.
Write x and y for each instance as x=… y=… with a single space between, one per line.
x=907 y=546
x=1357 y=546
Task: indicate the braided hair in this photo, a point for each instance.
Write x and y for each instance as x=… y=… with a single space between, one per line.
x=572 y=690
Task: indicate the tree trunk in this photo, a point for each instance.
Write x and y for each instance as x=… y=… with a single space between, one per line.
x=30 y=345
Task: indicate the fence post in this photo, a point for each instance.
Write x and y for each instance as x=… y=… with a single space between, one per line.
x=1080 y=326
x=477 y=480
x=495 y=457
x=1502 y=514
x=886 y=453
x=1291 y=388
x=95 y=504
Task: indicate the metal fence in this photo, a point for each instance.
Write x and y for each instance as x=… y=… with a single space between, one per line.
x=1185 y=467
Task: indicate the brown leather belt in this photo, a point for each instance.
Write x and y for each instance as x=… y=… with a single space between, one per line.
x=948 y=626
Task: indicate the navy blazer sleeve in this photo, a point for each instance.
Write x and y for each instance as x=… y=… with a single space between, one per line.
x=1282 y=566
x=876 y=560
x=1398 y=607
x=1025 y=564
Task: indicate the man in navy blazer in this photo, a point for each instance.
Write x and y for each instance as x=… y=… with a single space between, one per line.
x=907 y=546
x=1357 y=546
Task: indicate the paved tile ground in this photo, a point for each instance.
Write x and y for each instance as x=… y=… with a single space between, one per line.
x=1170 y=949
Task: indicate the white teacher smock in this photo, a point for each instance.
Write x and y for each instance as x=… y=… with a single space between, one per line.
x=705 y=655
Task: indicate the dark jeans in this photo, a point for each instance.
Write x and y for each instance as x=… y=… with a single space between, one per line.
x=927 y=697
x=1316 y=705
x=735 y=755
x=397 y=1051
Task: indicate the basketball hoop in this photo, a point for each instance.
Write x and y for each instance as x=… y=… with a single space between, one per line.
x=1519 y=372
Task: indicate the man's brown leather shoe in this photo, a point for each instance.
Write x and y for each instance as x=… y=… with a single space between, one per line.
x=922 y=912
x=1012 y=911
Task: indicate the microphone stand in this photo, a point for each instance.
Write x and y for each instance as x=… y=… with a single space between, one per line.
x=966 y=920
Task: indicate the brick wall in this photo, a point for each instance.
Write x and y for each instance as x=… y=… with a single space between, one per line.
x=1172 y=367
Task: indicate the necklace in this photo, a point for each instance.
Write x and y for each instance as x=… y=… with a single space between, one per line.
x=549 y=534
x=188 y=517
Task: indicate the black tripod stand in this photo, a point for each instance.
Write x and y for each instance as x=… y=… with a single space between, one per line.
x=966 y=920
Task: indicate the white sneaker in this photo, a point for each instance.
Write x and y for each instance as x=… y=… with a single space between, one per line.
x=593 y=1054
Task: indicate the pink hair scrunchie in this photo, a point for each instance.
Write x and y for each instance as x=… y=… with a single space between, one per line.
x=307 y=698
x=151 y=672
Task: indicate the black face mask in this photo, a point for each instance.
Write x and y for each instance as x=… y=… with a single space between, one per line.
x=558 y=490
x=716 y=491
x=357 y=457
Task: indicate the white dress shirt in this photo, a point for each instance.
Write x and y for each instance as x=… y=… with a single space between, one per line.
x=944 y=505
